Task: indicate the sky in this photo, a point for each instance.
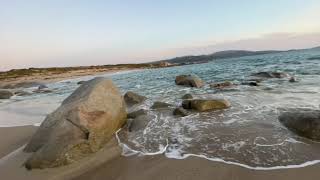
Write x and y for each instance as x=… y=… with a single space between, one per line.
x=43 y=33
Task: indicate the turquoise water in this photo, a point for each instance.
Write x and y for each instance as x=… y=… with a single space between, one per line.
x=247 y=134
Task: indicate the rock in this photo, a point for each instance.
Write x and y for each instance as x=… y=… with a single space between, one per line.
x=205 y=105
x=222 y=85
x=140 y=122
x=180 y=112
x=305 y=123
x=250 y=83
x=43 y=91
x=271 y=75
x=189 y=80
x=293 y=79
x=81 y=82
x=84 y=123
x=132 y=98
x=42 y=86
x=160 y=105
x=22 y=85
x=4 y=94
x=137 y=113
x=187 y=96
x=22 y=93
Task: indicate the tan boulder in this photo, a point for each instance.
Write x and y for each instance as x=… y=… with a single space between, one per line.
x=83 y=124
x=205 y=105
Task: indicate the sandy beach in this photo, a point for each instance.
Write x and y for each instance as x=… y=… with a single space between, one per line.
x=109 y=164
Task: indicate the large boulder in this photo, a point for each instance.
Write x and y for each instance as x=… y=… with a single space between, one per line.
x=132 y=98
x=83 y=124
x=205 y=105
x=189 y=80
x=303 y=122
x=4 y=94
x=271 y=75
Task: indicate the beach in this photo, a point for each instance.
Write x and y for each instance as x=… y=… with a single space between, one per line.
x=109 y=164
x=244 y=141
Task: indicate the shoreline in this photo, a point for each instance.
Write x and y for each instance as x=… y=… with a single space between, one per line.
x=51 y=78
x=108 y=162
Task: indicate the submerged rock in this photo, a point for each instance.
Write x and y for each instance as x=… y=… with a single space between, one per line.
x=271 y=75
x=4 y=94
x=81 y=82
x=42 y=86
x=22 y=93
x=189 y=80
x=140 y=122
x=160 y=105
x=205 y=105
x=132 y=98
x=187 y=96
x=250 y=83
x=137 y=113
x=303 y=122
x=43 y=91
x=83 y=124
x=222 y=85
x=293 y=79
x=180 y=112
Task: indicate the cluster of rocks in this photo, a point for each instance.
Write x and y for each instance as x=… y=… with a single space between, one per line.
x=10 y=90
x=88 y=118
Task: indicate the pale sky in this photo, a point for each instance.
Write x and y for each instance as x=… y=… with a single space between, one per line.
x=76 y=32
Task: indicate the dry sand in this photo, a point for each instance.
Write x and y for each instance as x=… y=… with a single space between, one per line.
x=109 y=164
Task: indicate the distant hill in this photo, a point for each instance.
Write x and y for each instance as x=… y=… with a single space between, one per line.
x=216 y=55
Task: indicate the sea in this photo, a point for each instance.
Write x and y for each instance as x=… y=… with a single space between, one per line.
x=247 y=134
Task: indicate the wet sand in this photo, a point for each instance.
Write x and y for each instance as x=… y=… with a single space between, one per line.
x=109 y=164
x=11 y=138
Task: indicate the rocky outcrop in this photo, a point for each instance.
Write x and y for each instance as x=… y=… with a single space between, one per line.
x=271 y=75
x=83 y=124
x=137 y=113
x=303 y=122
x=205 y=105
x=160 y=105
x=4 y=94
x=222 y=85
x=132 y=98
x=22 y=85
x=187 y=96
x=189 y=80
x=180 y=112
x=140 y=122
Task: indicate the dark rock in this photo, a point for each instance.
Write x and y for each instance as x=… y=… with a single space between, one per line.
x=250 y=83
x=222 y=85
x=43 y=91
x=42 y=86
x=180 y=112
x=140 y=122
x=81 y=82
x=205 y=105
x=137 y=113
x=271 y=75
x=293 y=79
x=305 y=123
x=84 y=123
x=160 y=105
x=132 y=98
x=4 y=94
x=189 y=80
x=187 y=96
